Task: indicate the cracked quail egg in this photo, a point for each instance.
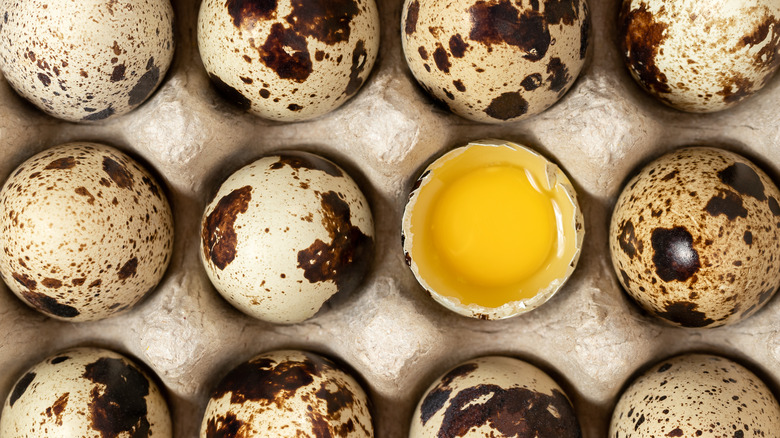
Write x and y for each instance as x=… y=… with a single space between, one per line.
x=495 y=61
x=86 y=232
x=85 y=392
x=695 y=237
x=492 y=229
x=696 y=395
x=698 y=56
x=288 y=394
x=284 y=234
x=288 y=60
x=495 y=396
x=85 y=60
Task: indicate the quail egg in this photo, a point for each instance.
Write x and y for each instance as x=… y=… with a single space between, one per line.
x=288 y=394
x=85 y=392
x=85 y=60
x=495 y=61
x=86 y=232
x=696 y=395
x=284 y=234
x=492 y=229
x=288 y=60
x=695 y=237
x=495 y=396
x=698 y=56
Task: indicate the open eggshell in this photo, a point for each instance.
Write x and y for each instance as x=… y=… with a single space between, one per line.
x=550 y=179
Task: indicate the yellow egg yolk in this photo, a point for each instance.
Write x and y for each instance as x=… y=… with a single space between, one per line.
x=492 y=226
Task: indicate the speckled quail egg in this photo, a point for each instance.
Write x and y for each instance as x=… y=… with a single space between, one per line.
x=85 y=60
x=492 y=229
x=284 y=234
x=495 y=61
x=696 y=57
x=86 y=232
x=495 y=396
x=85 y=392
x=696 y=395
x=288 y=60
x=288 y=394
x=695 y=237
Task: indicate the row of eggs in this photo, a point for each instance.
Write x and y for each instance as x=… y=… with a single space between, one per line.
x=290 y=60
x=491 y=230
x=89 y=391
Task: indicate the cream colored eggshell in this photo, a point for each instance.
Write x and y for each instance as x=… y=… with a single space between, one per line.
x=697 y=56
x=288 y=60
x=553 y=177
x=696 y=395
x=86 y=232
x=288 y=394
x=718 y=215
x=284 y=234
x=495 y=396
x=85 y=60
x=85 y=392
x=494 y=73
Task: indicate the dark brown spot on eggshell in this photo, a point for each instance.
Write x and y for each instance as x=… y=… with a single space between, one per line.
x=58 y=407
x=501 y=23
x=442 y=59
x=743 y=179
x=507 y=106
x=346 y=258
x=412 y=14
x=231 y=94
x=640 y=39
x=423 y=53
x=51 y=283
x=302 y=160
x=227 y=426
x=459 y=85
x=628 y=241
x=118 y=73
x=47 y=304
x=436 y=398
x=128 y=269
x=82 y=191
x=561 y=11
x=286 y=53
x=118 y=402
x=359 y=57
x=325 y=20
x=59 y=359
x=736 y=88
x=145 y=85
x=774 y=207
x=25 y=281
x=584 y=33
x=45 y=79
x=685 y=314
x=100 y=115
x=266 y=380
x=458 y=46
x=336 y=401
x=294 y=107
x=727 y=203
x=531 y=82
x=20 y=387
x=674 y=257
x=518 y=412
x=558 y=74
x=118 y=173
x=219 y=238
x=767 y=55
x=250 y=11
x=61 y=164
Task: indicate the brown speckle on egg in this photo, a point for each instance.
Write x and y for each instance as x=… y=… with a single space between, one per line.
x=689 y=241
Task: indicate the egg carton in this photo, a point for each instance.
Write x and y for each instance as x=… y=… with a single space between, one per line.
x=589 y=337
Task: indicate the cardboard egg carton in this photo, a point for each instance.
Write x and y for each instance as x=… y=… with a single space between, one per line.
x=589 y=337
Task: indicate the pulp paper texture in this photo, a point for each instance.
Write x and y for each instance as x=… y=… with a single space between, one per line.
x=589 y=337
